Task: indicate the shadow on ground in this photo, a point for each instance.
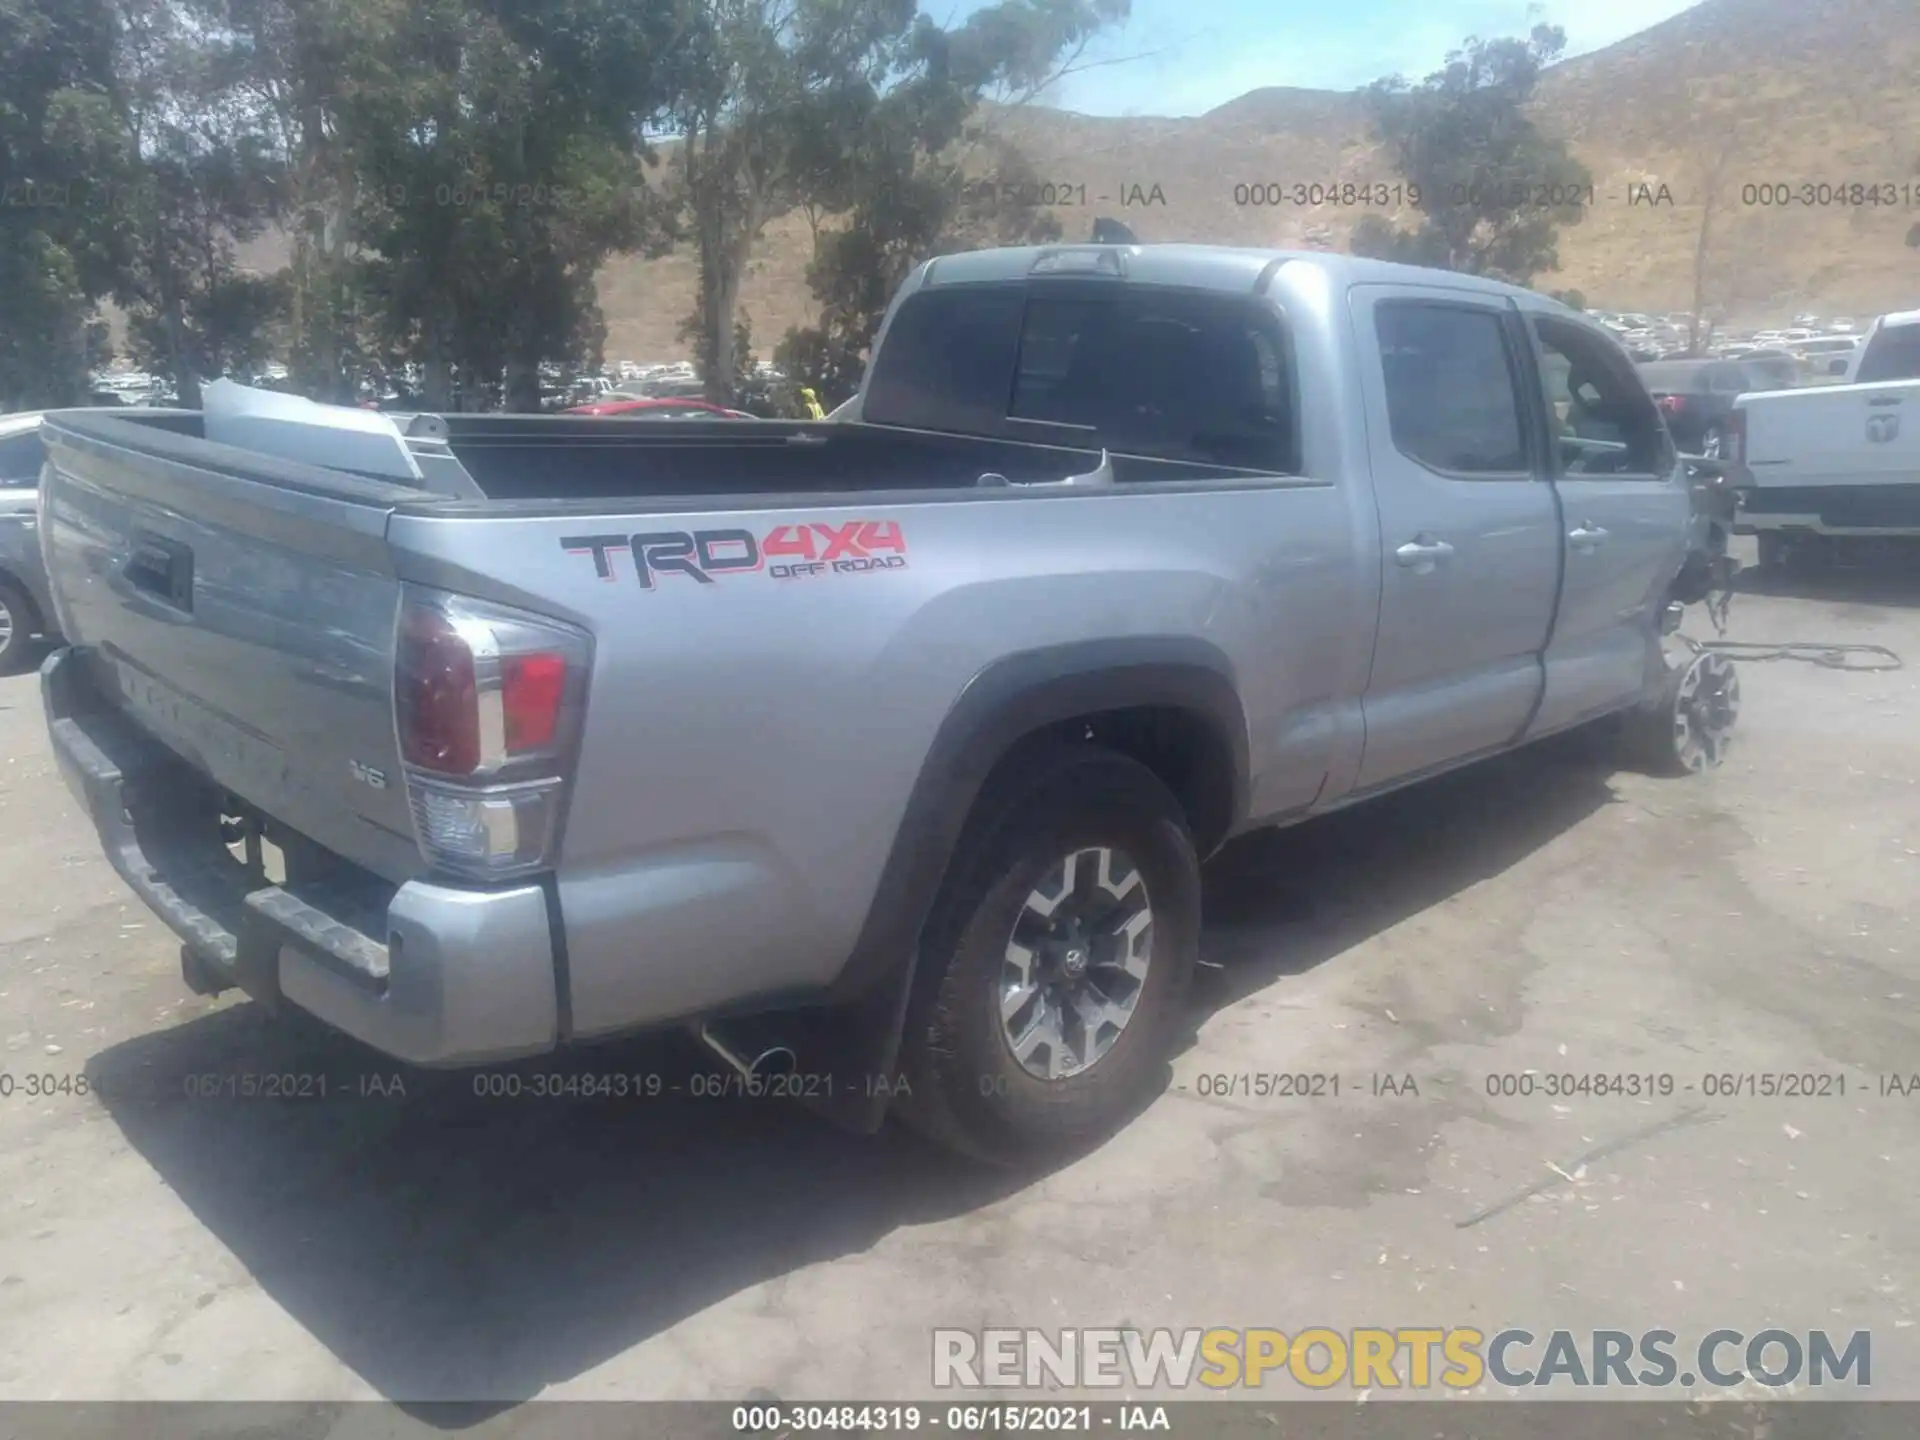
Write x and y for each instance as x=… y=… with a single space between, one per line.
x=1879 y=572
x=445 y=1245
x=1280 y=902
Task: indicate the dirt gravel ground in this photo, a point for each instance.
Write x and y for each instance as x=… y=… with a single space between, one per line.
x=1539 y=913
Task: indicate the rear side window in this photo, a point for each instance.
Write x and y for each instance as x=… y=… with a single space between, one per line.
x=20 y=459
x=1165 y=374
x=1452 y=394
x=1894 y=354
x=946 y=362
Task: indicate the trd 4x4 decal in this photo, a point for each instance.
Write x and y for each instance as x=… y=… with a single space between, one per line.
x=786 y=552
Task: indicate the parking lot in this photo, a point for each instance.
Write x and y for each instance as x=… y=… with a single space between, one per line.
x=162 y=1236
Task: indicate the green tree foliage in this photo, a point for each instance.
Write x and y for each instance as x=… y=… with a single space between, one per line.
x=836 y=103
x=293 y=66
x=450 y=175
x=202 y=184
x=920 y=207
x=1494 y=189
x=501 y=161
x=61 y=154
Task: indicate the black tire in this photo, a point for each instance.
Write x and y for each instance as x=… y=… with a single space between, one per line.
x=18 y=622
x=1774 y=550
x=969 y=1091
x=1655 y=739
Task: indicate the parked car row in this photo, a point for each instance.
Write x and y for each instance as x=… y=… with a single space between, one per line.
x=1808 y=351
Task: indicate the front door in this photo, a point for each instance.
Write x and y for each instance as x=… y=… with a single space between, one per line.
x=1468 y=527
x=1625 y=500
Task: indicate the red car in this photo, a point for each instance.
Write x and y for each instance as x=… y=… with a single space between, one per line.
x=660 y=410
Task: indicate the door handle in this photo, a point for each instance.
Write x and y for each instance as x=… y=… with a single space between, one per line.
x=1587 y=537
x=1421 y=555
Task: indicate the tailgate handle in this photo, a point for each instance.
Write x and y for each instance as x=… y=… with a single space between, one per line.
x=162 y=568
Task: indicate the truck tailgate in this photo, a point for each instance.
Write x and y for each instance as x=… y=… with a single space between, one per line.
x=240 y=610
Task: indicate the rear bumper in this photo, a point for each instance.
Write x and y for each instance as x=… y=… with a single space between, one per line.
x=1830 y=509
x=429 y=974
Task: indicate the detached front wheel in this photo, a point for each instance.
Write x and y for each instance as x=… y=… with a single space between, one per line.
x=1055 y=967
x=1685 y=726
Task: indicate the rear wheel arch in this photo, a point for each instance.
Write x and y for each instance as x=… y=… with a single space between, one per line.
x=1169 y=703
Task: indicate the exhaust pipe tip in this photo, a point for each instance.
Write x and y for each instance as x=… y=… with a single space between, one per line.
x=752 y=1064
x=773 y=1061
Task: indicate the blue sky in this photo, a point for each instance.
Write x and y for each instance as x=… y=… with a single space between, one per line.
x=1183 y=57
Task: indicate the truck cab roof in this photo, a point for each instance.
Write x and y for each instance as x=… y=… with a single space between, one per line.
x=1225 y=268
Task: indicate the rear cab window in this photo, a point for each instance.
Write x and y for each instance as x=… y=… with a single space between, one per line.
x=1196 y=377
x=1892 y=354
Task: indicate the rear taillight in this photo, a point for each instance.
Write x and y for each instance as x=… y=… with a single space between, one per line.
x=436 y=694
x=1733 y=441
x=1672 y=404
x=532 y=688
x=487 y=703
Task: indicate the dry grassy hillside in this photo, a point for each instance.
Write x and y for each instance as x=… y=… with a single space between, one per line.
x=1757 y=91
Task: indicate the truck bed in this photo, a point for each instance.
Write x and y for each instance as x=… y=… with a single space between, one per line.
x=566 y=457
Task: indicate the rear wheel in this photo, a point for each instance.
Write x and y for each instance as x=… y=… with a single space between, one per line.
x=1685 y=726
x=1773 y=549
x=1055 y=968
x=17 y=624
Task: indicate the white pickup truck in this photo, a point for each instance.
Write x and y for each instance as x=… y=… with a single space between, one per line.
x=1824 y=463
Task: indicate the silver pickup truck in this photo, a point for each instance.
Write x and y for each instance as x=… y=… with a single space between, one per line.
x=885 y=746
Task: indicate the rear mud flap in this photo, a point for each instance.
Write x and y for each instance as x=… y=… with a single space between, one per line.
x=843 y=1059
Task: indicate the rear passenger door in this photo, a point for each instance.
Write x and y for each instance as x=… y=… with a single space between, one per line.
x=1468 y=527
x=1625 y=501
